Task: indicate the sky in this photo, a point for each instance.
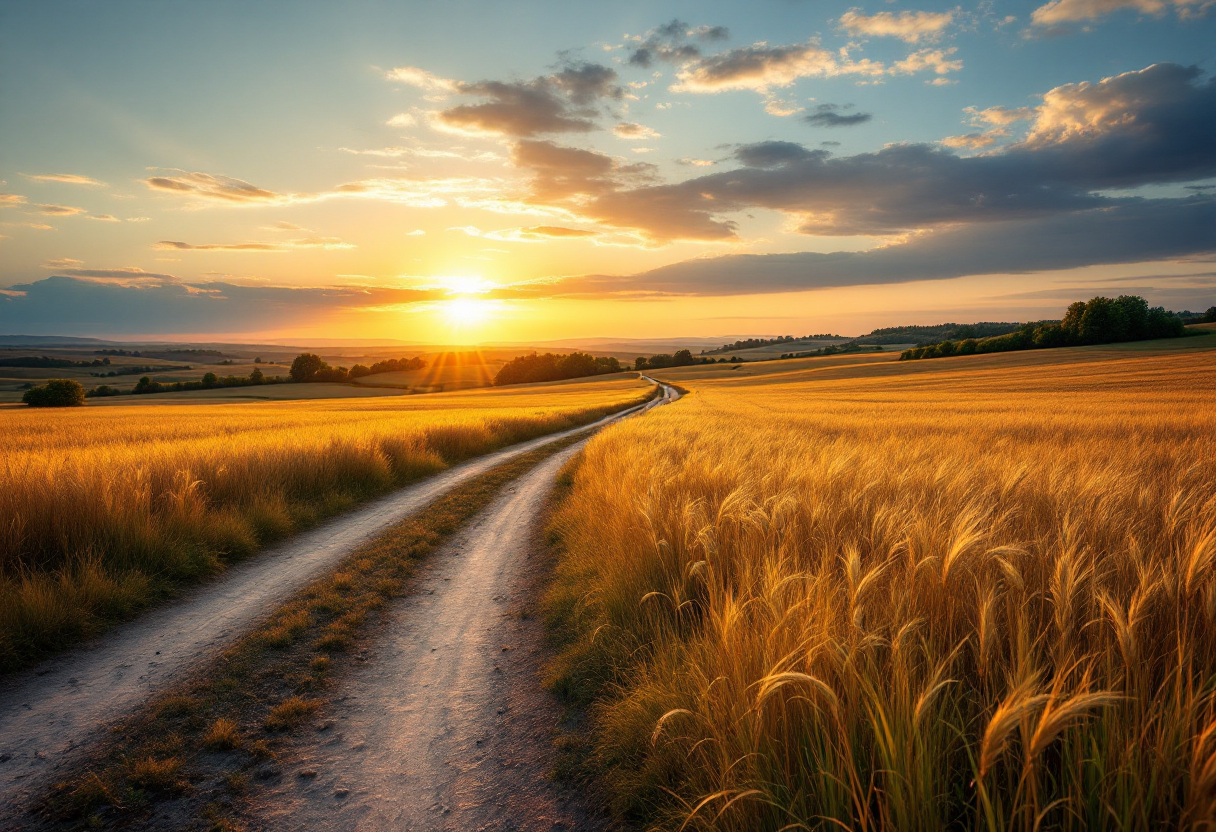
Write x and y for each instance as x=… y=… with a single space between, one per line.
x=475 y=172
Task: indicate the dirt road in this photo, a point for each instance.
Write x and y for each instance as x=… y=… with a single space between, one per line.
x=445 y=726
x=50 y=714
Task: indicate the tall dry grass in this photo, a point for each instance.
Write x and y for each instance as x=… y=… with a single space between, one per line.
x=982 y=597
x=103 y=510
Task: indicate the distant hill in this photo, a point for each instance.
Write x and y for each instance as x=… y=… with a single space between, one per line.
x=50 y=340
x=936 y=333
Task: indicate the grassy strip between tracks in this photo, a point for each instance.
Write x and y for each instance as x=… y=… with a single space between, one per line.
x=194 y=752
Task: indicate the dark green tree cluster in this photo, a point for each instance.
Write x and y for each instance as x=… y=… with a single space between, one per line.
x=682 y=358
x=389 y=365
x=526 y=369
x=1100 y=321
x=208 y=382
x=58 y=392
x=310 y=367
x=751 y=343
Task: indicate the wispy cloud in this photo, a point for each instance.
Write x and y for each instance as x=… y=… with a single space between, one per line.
x=65 y=178
x=326 y=243
x=908 y=26
x=56 y=210
x=1062 y=12
x=830 y=115
x=212 y=187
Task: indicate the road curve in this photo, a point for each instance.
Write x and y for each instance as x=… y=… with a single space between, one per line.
x=50 y=714
x=445 y=727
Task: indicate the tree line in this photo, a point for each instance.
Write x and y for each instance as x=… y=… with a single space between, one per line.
x=751 y=343
x=1099 y=321
x=532 y=368
x=309 y=367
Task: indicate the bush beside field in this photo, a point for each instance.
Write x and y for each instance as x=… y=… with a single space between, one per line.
x=108 y=509
x=952 y=600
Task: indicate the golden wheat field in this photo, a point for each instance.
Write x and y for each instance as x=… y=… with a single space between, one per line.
x=978 y=594
x=107 y=508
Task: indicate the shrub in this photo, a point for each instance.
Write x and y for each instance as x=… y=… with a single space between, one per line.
x=58 y=392
x=305 y=366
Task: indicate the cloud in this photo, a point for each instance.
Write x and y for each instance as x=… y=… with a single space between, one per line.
x=908 y=26
x=972 y=141
x=213 y=187
x=399 y=120
x=326 y=243
x=933 y=60
x=1060 y=12
x=164 y=306
x=585 y=83
x=829 y=115
x=422 y=79
x=1136 y=231
x=760 y=67
x=999 y=116
x=631 y=130
x=126 y=274
x=11 y=200
x=563 y=174
x=539 y=233
x=63 y=263
x=670 y=43
x=1155 y=126
x=513 y=109
x=103 y=218
x=65 y=178
x=558 y=103
x=772 y=154
x=57 y=210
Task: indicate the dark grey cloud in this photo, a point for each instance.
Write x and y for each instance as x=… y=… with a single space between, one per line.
x=1135 y=230
x=674 y=42
x=584 y=82
x=62 y=304
x=559 y=103
x=830 y=115
x=1156 y=126
x=772 y=154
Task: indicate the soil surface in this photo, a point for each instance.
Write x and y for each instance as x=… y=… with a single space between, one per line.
x=446 y=726
x=51 y=715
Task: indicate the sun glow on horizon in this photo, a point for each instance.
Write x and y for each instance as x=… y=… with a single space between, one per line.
x=466 y=312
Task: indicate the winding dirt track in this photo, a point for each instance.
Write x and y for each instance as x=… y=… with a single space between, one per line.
x=51 y=714
x=445 y=727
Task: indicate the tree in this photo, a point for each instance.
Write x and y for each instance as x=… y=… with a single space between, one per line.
x=682 y=358
x=305 y=366
x=58 y=392
x=257 y=376
x=639 y=363
x=210 y=380
x=1209 y=317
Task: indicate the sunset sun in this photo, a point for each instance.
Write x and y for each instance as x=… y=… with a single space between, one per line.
x=466 y=311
